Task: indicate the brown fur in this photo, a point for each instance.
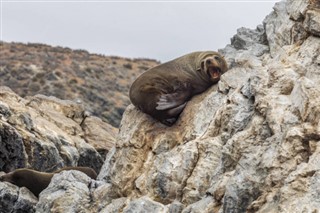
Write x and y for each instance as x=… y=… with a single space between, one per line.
x=36 y=181
x=164 y=90
x=87 y=170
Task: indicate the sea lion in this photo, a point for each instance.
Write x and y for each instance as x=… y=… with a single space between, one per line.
x=87 y=170
x=163 y=91
x=37 y=181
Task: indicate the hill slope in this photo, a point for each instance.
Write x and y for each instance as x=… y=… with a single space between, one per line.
x=101 y=83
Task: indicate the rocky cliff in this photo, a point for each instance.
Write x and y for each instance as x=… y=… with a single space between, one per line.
x=100 y=83
x=248 y=144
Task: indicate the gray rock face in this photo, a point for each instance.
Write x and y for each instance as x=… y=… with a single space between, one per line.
x=15 y=200
x=248 y=144
x=13 y=154
x=46 y=133
x=68 y=192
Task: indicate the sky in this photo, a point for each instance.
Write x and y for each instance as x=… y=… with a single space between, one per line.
x=160 y=30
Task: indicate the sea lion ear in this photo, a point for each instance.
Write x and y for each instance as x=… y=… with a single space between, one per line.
x=201 y=66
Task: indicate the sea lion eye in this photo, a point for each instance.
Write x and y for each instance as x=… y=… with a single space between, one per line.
x=217 y=58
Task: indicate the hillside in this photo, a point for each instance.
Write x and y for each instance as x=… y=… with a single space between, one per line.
x=99 y=82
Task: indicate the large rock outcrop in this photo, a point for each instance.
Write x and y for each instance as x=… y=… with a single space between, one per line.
x=248 y=144
x=46 y=133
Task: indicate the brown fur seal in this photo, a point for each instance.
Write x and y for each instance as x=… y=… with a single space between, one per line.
x=164 y=90
x=36 y=181
x=87 y=170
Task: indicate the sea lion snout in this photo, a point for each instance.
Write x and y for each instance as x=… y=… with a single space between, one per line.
x=6 y=178
x=214 y=73
x=213 y=68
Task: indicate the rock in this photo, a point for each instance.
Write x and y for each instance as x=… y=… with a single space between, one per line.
x=278 y=28
x=312 y=22
x=13 y=154
x=145 y=205
x=46 y=133
x=206 y=204
x=175 y=207
x=297 y=9
x=106 y=198
x=115 y=206
x=305 y=98
x=253 y=40
x=67 y=192
x=13 y=199
x=99 y=134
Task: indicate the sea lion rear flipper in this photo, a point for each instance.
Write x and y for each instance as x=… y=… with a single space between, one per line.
x=169 y=121
x=174 y=112
x=172 y=100
x=177 y=110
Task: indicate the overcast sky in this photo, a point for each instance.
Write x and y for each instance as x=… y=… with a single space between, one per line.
x=161 y=30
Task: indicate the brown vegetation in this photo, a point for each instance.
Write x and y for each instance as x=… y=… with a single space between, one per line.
x=101 y=83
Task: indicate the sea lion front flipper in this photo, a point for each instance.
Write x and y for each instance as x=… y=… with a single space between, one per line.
x=167 y=101
x=172 y=100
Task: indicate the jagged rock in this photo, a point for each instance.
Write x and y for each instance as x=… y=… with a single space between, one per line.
x=115 y=206
x=250 y=143
x=144 y=205
x=312 y=22
x=175 y=207
x=46 y=133
x=206 y=204
x=15 y=200
x=13 y=154
x=68 y=192
x=98 y=134
x=253 y=40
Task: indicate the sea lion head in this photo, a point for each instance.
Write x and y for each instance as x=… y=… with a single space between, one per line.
x=13 y=177
x=212 y=65
x=33 y=180
x=17 y=177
